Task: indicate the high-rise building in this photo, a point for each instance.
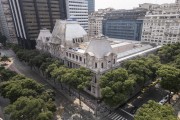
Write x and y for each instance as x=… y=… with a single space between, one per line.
x=6 y=22
x=32 y=15
x=95 y=22
x=124 y=24
x=78 y=10
x=91 y=6
x=162 y=25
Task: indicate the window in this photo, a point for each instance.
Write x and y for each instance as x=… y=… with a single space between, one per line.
x=102 y=65
x=76 y=57
x=93 y=90
x=73 y=55
x=80 y=58
x=47 y=38
x=95 y=79
x=66 y=54
x=84 y=61
x=114 y=61
x=95 y=65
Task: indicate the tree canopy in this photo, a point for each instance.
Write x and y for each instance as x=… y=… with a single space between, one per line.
x=170 y=78
x=116 y=87
x=29 y=108
x=155 y=111
x=29 y=99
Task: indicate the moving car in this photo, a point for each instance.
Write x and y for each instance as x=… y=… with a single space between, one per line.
x=164 y=100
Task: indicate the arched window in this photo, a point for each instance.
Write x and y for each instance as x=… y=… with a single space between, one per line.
x=102 y=65
x=95 y=65
x=114 y=61
x=84 y=61
x=95 y=79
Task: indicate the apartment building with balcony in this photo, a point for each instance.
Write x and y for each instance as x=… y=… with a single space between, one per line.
x=30 y=16
x=95 y=26
x=162 y=24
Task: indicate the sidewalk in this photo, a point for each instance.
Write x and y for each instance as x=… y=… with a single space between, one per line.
x=175 y=101
x=1 y=114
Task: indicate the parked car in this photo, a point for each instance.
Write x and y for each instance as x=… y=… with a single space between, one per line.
x=164 y=100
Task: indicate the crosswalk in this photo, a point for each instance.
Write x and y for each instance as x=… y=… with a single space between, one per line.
x=115 y=116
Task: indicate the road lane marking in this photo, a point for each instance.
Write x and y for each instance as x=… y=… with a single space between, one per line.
x=127 y=112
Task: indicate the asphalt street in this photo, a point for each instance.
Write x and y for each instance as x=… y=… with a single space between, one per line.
x=153 y=93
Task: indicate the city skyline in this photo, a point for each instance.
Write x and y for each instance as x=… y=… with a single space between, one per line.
x=120 y=4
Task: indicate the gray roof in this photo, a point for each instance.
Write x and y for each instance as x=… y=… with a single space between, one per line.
x=99 y=48
x=44 y=34
x=67 y=30
x=74 y=30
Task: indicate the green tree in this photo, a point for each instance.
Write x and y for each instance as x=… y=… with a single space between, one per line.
x=69 y=78
x=5 y=59
x=6 y=74
x=45 y=116
x=29 y=109
x=168 y=52
x=116 y=87
x=170 y=78
x=176 y=62
x=155 y=111
x=153 y=63
x=13 y=89
x=83 y=79
x=143 y=69
x=58 y=72
x=45 y=64
x=30 y=54
x=50 y=68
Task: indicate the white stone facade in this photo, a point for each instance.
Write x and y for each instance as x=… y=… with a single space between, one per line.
x=70 y=43
x=78 y=10
x=95 y=22
x=148 y=6
x=162 y=25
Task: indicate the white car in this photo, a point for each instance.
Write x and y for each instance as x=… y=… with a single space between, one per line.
x=164 y=100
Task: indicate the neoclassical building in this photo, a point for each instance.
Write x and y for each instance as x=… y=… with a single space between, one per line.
x=70 y=43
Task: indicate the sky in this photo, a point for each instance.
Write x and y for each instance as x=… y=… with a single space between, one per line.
x=126 y=4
